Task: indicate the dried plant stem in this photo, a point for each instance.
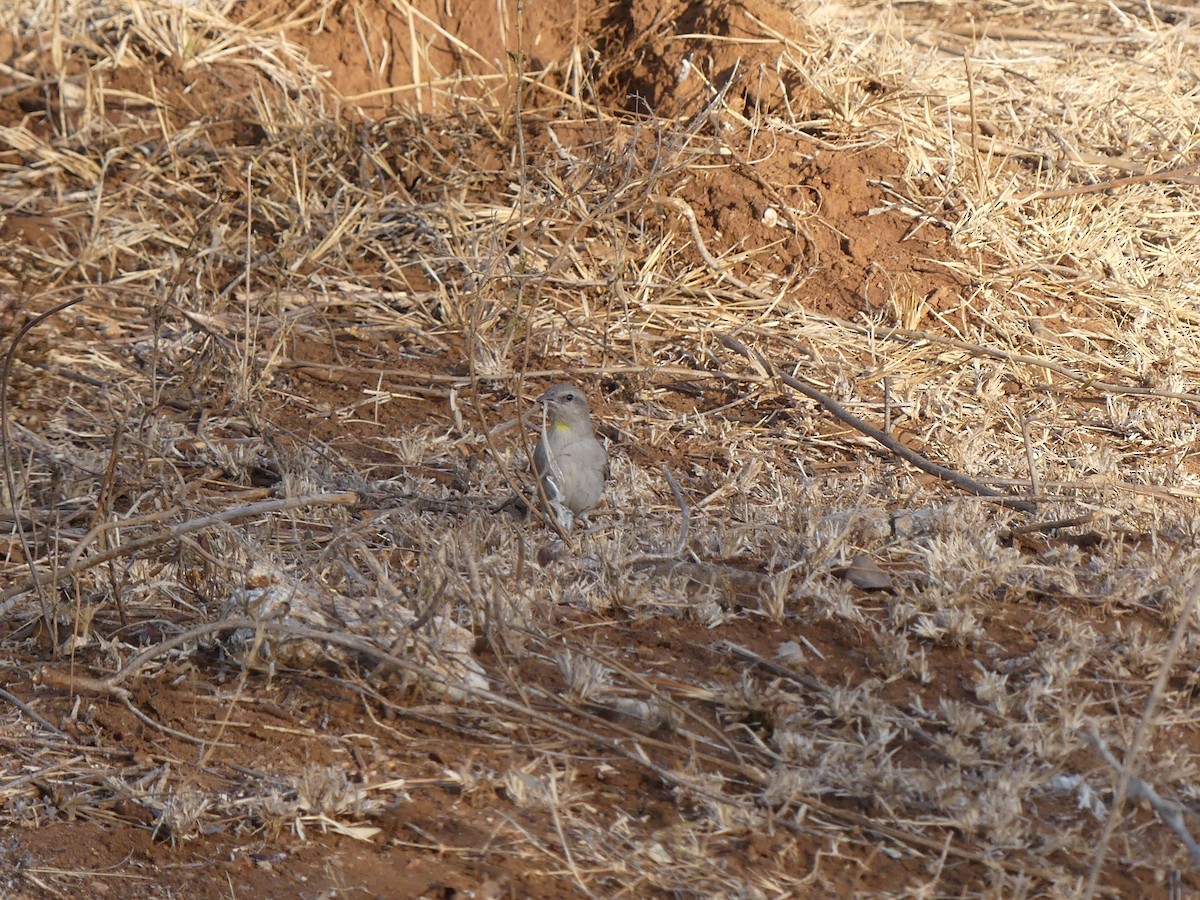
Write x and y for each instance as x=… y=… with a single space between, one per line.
x=1051 y=525
x=1106 y=387
x=1034 y=482
x=1138 y=743
x=345 y=498
x=25 y=708
x=1181 y=173
x=115 y=686
x=1170 y=812
x=817 y=687
x=685 y=518
x=689 y=215
x=7 y=456
x=836 y=409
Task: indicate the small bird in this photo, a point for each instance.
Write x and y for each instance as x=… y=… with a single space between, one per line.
x=568 y=460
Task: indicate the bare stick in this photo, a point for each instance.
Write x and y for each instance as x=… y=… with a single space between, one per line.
x=74 y=567
x=6 y=457
x=1166 y=175
x=628 y=747
x=970 y=485
x=1170 y=812
x=25 y=708
x=1050 y=525
x=1139 y=738
x=1034 y=487
x=682 y=207
x=685 y=515
x=819 y=688
x=685 y=518
x=1107 y=387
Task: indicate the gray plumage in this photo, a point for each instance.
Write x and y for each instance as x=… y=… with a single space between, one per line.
x=568 y=460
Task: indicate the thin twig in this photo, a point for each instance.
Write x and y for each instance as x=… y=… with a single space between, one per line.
x=1034 y=487
x=75 y=565
x=961 y=481
x=10 y=480
x=25 y=708
x=685 y=518
x=1169 y=811
x=684 y=209
x=685 y=515
x=1182 y=627
x=1050 y=525
x=1107 y=387
x=1181 y=172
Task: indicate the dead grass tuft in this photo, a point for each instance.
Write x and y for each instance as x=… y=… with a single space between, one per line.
x=889 y=325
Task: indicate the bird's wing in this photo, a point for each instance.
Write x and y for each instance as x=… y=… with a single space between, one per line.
x=543 y=467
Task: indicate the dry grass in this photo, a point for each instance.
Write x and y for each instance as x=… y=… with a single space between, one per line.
x=263 y=443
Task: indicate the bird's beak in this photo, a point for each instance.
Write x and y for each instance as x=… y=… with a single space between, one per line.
x=534 y=407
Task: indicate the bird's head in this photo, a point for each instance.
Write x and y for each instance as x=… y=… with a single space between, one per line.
x=566 y=406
